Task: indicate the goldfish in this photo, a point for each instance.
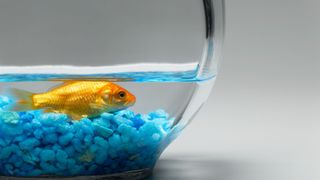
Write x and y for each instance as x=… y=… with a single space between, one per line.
x=77 y=99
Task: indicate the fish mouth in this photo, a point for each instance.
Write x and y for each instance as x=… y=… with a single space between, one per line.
x=131 y=102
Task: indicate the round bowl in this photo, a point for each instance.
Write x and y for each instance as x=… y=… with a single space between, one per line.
x=98 y=89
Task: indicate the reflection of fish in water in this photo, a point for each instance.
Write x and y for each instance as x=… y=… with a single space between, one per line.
x=77 y=99
x=87 y=157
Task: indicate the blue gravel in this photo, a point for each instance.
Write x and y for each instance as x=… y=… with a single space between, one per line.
x=34 y=143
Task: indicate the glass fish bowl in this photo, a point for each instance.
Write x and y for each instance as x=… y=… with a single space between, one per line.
x=98 y=89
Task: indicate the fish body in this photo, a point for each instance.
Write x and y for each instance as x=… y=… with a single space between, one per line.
x=77 y=99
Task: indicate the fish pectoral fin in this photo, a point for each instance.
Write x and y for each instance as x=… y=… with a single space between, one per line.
x=76 y=117
x=96 y=106
x=50 y=110
x=47 y=110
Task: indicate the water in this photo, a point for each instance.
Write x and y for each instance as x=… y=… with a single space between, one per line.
x=174 y=83
x=32 y=143
x=147 y=72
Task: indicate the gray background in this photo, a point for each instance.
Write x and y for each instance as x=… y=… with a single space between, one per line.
x=100 y=32
x=262 y=120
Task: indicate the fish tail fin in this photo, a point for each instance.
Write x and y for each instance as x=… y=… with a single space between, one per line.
x=23 y=100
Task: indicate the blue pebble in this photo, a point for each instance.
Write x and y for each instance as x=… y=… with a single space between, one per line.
x=48 y=168
x=101 y=122
x=77 y=144
x=16 y=161
x=156 y=137
x=26 y=167
x=51 y=118
x=62 y=166
x=92 y=168
x=3 y=143
x=132 y=148
x=36 y=124
x=36 y=172
x=38 y=133
x=145 y=117
x=12 y=130
x=56 y=147
x=101 y=156
x=9 y=117
x=134 y=136
x=61 y=155
x=115 y=141
x=29 y=144
x=85 y=121
x=76 y=169
x=138 y=121
x=4 y=100
x=62 y=158
x=64 y=128
x=9 y=168
x=20 y=138
x=93 y=148
x=168 y=125
x=160 y=113
x=88 y=140
x=27 y=127
x=47 y=155
x=88 y=130
x=28 y=158
x=79 y=133
x=147 y=131
x=36 y=151
x=107 y=116
x=26 y=117
x=121 y=120
x=5 y=152
x=103 y=131
x=48 y=130
x=51 y=138
x=36 y=113
x=101 y=142
x=66 y=139
x=125 y=139
x=71 y=163
x=126 y=114
x=125 y=129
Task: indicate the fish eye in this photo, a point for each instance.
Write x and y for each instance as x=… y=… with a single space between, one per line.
x=122 y=94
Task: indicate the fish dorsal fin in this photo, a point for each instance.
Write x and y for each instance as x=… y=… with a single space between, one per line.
x=63 y=84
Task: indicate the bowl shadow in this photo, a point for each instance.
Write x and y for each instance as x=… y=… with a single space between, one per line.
x=191 y=168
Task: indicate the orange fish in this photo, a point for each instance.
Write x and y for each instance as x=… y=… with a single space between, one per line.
x=76 y=98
